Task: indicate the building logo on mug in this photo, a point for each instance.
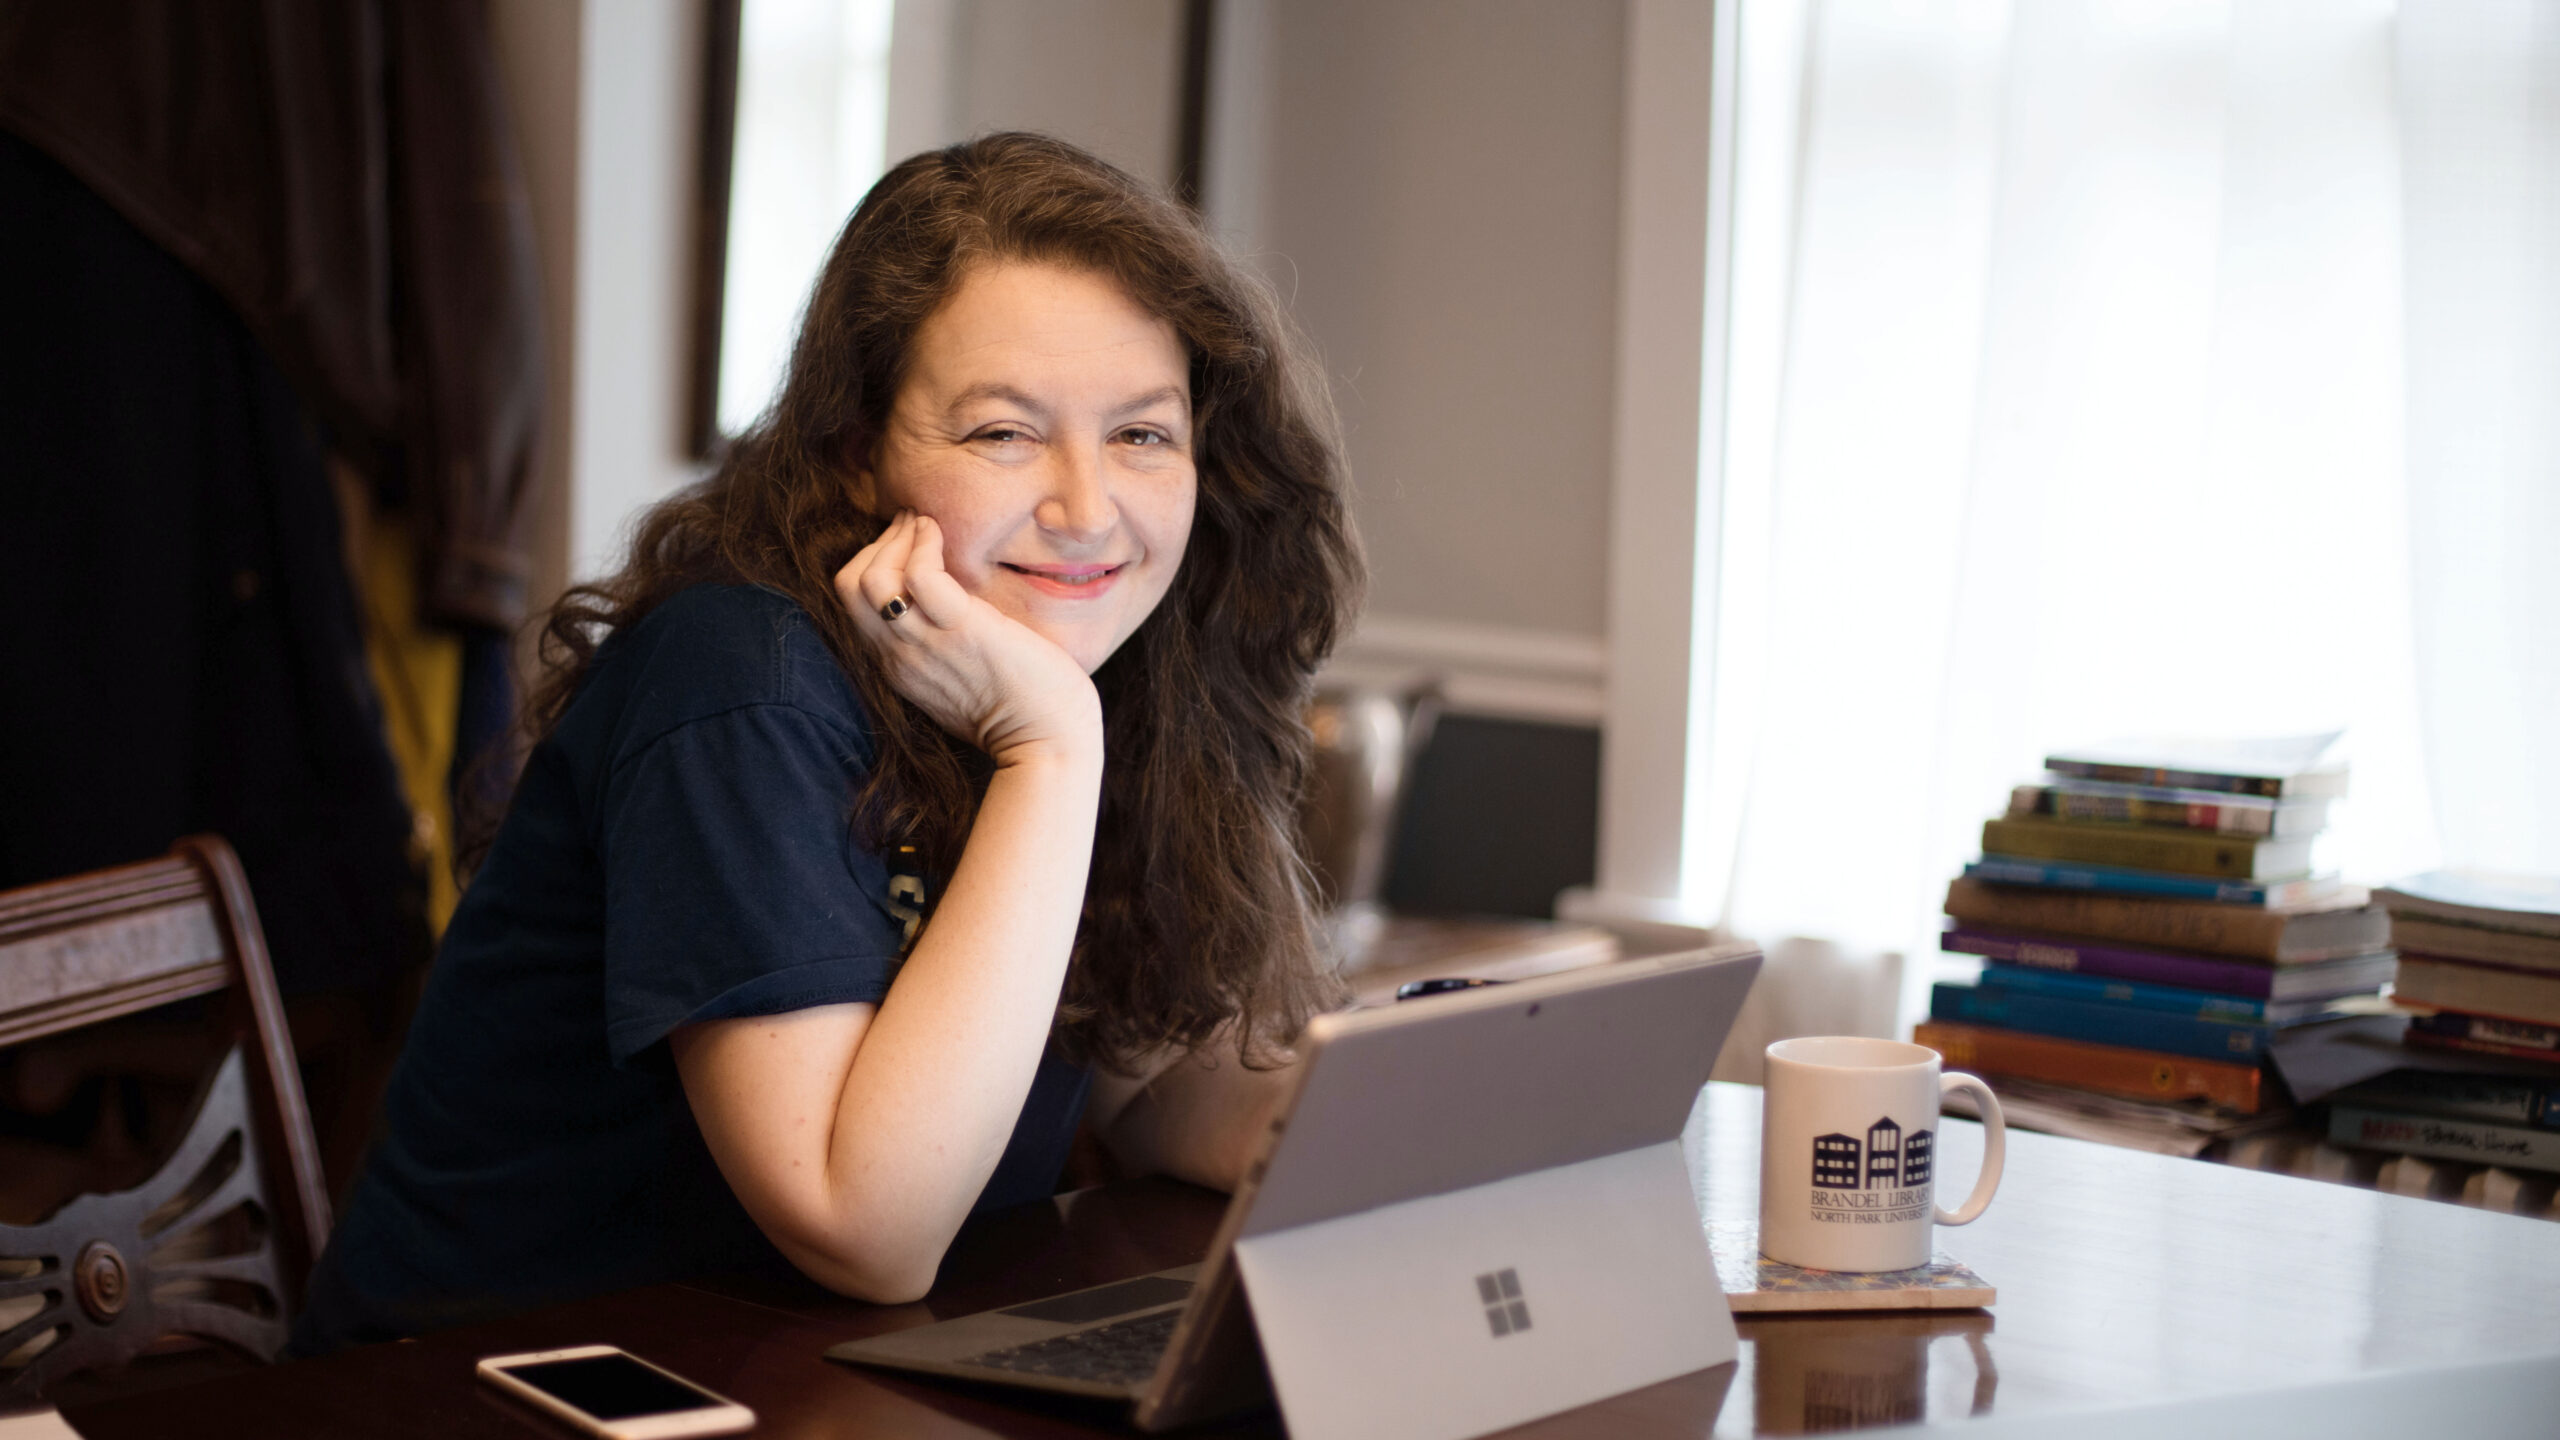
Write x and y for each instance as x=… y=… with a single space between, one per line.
x=1877 y=1181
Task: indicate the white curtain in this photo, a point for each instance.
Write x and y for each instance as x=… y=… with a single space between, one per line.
x=2069 y=402
x=2480 y=141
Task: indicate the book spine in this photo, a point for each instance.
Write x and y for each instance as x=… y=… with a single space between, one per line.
x=2097 y=1023
x=2185 y=852
x=2113 y=1069
x=2491 y=1029
x=2098 y=990
x=2445 y=1139
x=2123 y=807
x=2188 y=972
x=2496 y=1099
x=2216 y=929
x=2163 y=778
x=2061 y=875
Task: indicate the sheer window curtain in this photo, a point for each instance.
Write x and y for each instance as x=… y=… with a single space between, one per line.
x=2479 y=84
x=2108 y=368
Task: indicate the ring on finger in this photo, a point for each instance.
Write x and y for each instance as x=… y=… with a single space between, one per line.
x=896 y=606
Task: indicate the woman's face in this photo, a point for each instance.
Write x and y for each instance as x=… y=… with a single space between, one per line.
x=1045 y=425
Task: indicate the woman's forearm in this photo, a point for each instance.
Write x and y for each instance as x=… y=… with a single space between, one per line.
x=1199 y=1118
x=858 y=1138
x=939 y=1079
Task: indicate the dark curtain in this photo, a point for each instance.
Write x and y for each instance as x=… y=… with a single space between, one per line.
x=181 y=651
x=344 y=174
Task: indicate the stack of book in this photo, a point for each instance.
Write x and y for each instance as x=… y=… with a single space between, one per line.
x=2480 y=966
x=2480 y=957
x=2151 y=924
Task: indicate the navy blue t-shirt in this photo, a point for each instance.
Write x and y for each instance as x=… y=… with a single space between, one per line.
x=680 y=849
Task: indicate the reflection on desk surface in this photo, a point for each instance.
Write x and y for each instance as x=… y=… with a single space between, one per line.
x=1805 y=1374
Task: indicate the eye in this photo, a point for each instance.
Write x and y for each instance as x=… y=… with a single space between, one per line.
x=1002 y=434
x=1144 y=435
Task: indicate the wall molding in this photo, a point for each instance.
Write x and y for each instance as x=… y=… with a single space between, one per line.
x=1501 y=671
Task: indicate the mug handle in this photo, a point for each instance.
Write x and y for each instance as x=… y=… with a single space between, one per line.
x=1995 y=1146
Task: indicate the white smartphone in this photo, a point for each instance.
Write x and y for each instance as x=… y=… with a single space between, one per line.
x=615 y=1394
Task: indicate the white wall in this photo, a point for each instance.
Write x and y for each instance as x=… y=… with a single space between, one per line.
x=605 y=97
x=640 y=113
x=1666 y=494
x=1437 y=197
x=1105 y=74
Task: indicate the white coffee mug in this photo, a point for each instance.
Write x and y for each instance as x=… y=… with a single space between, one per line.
x=1848 y=1153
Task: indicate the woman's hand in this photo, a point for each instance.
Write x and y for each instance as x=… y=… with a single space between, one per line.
x=981 y=674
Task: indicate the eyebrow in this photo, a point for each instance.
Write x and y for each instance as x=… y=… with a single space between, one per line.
x=1174 y=393
x=998 y=390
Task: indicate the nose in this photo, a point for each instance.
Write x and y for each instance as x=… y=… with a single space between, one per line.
x=1078 y=507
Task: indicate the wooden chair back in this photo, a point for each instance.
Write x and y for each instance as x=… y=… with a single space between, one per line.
x=218 y=1243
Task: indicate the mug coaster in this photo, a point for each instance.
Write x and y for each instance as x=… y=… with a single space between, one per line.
x=1755 y=1284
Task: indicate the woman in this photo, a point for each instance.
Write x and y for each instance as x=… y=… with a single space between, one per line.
x=977 y=668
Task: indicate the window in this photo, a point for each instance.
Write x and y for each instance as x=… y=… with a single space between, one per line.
x=2087 y=375
x=813 y=104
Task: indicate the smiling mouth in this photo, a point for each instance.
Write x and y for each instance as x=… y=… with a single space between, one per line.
x=1073 y=577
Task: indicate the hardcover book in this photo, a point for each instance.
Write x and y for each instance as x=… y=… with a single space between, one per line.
x=2119 y=880
x=2329 y=928
x=2447 y=938
x=2312 y=980
x=2100 y=1024
x=2494 y=900
x=2111 y=1069
x=2284 y=767
x=2455 y=1025
x=2498 y=1099
x=2168 y=1000
x=2186 y=852
x=2464 y=1044
x=2479 y=989
x=2437 y=1137
x=2097 y=802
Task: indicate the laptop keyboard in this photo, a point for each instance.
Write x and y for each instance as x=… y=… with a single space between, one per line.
x=1122 y=1353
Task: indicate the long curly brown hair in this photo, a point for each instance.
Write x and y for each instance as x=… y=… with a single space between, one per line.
x=1199 y=911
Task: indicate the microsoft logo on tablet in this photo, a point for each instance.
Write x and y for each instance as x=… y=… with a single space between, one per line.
x=1504 y=1310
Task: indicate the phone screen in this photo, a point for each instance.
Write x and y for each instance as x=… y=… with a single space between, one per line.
x=612 y=1387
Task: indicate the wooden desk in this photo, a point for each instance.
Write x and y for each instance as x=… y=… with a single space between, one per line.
x=2124 y=1279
